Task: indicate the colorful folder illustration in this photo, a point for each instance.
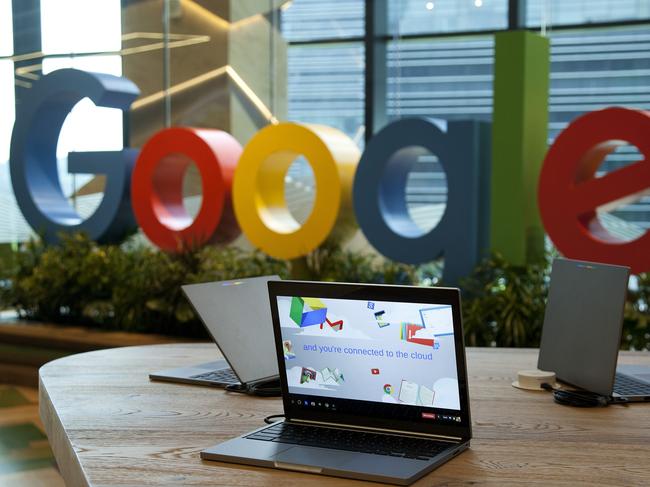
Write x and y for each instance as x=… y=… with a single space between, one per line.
x=315 y=314
x=407 y=333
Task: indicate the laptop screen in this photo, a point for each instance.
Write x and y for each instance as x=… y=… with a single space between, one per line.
x=338 y=352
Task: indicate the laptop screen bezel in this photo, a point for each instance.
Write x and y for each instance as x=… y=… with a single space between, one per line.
x=375 y=292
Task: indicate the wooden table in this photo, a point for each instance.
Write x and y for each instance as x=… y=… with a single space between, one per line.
x=109 y=426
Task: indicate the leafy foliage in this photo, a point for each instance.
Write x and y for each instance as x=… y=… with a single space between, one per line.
x=334 y=264
x=636 y=325
x=504 y=304
x=135 y=287
x=127 y=287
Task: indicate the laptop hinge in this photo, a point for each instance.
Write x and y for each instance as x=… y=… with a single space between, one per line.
x=377 y=430
x=266 y=380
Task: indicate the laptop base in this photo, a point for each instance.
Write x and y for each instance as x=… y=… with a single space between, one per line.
x=215 y=374
x=326 y=461
x=632 y=384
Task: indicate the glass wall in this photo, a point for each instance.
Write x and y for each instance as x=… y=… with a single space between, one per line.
x=575 y=12
x=8 y=104
x=6 y=29
x=315 y=20
x=239 y=66
x=437 y=68
x=326 y=86
x=442 y=16
x=326 y=63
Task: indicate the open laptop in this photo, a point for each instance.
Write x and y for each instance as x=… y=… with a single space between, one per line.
x=236 y=314
x=582 y=331
x=374 y=383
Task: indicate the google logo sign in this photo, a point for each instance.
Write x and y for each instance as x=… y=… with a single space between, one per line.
x=243 y=187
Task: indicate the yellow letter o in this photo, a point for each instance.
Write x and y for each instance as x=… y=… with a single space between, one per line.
x=258 y=188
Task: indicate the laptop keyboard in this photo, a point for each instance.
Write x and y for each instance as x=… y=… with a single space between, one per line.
x=222 y=376
x=351 y=440
x=629 y=386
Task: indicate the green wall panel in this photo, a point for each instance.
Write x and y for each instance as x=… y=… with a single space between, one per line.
x=519 y=138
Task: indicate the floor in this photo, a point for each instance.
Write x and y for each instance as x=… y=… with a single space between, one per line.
x=25 y=456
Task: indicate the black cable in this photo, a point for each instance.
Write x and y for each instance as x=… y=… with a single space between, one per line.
x=263 y=389
x=579 y=399
x=268 y=419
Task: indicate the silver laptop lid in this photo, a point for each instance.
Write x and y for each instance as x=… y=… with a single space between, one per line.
x=378 y=356
x=583 y=323
x=237 y=315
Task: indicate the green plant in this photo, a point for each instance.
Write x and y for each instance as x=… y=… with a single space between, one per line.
x=503 y=304
x=138 y=288
x=337 y=265
x=129 y=287
x=7 y=260
x=636 y=324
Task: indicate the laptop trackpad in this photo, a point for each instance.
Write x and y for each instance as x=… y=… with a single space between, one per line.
x=310 y=456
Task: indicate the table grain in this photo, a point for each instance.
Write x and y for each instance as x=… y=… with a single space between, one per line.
x=110 y=426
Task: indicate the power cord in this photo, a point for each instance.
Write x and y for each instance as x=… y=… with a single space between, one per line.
x=268 y=419
x=261 y=389
x=579 y=399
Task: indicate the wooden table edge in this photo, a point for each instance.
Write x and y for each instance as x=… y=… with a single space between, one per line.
x=64 y=453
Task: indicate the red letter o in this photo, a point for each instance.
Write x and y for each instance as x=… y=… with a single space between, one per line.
x=157 y=187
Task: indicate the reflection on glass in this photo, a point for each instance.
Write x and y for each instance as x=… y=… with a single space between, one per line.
x=8 y=104
x=443 y=78
x=318 y=19
x=326 y=86
x=12 y=226
x=6 y=29
x=568 y=12
x=299 y=189
x=75 y=26
x=439 y=16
